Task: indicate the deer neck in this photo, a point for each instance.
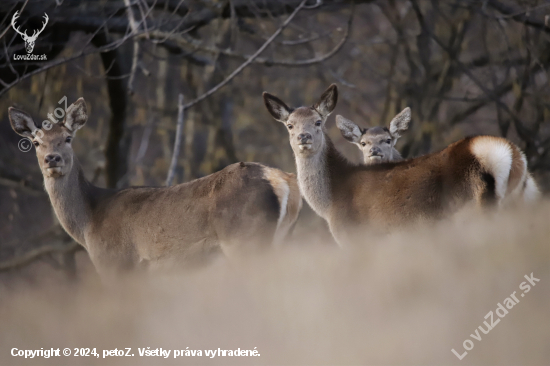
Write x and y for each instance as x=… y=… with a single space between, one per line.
x=317 y=177
x=72 y=199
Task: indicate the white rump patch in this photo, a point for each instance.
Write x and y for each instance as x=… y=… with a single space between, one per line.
x=282 y=191
x=517 y=193
x=531 y=193
x=283 y=202
x=495 y=156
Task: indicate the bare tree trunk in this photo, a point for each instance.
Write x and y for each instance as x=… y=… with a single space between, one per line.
x=189 y=169
x=165 y=122
x=117 y=146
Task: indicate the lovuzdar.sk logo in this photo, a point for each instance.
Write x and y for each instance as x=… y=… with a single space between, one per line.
x=29 y=40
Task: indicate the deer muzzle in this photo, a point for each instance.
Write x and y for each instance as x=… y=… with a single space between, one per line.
x=305 y=141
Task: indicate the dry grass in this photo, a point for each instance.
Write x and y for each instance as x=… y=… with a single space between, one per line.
x=403 y=298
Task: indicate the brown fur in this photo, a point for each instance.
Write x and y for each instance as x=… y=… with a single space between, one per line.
x=423 y=188
x=234 y=211
x=397 y=192
x=476 y=169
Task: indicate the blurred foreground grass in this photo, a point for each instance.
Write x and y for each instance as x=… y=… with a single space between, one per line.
x=407 y=297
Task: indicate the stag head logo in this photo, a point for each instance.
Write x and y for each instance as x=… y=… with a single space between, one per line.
x=29 y=40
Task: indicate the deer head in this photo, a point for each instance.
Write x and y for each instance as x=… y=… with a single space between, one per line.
x=53 y=147
x=305 y=124
x=376 y=143
x=29 y=40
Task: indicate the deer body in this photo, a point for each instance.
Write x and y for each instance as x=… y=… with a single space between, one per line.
x=240 y=209
x=140 y=226
x=484 y=170
x=395 y=192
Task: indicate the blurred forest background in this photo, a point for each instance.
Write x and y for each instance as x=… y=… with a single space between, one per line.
x=464 y=67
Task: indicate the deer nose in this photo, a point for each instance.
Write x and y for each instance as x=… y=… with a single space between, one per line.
x=52 y=158
x=304 y=137
x=375 y=151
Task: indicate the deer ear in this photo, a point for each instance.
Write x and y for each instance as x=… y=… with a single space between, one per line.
x=76 y=115
x=327 y=102
x=350 y=131
x=21 y=122
x=400 y=123
x=276 y=107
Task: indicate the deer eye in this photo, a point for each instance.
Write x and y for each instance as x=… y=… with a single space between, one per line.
x=36 y=143
x=388 y=141
x=289 y=126
x=363 y=143
x=318 y=123
x=68 y=139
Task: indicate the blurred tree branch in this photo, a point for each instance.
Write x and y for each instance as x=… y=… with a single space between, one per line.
x=183 y=41
x=524 y=133
x=28 y=186
x=58 y=242
x=249 y=60
x=519 y=15
x=37 y=253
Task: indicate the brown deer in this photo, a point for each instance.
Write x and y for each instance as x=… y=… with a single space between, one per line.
x=376 y=143
x=241 y=209
x=484 y=170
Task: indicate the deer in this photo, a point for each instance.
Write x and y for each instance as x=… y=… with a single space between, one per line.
x=242 y=209
x=482 y=170
x=29 y=40
x=376 y=143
